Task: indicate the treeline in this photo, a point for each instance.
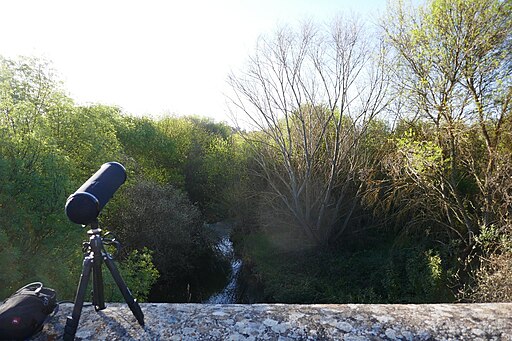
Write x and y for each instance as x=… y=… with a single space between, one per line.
x=372 y=165
x=180 y=174
x=384 y=155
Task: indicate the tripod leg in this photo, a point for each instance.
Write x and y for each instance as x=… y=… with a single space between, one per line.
x=72 y=321
x=132 y=303
x=98 y=297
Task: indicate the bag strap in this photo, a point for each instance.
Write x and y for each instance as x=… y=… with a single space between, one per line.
x=30 y=285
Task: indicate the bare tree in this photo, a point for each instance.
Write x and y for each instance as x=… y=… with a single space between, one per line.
x=308 y=96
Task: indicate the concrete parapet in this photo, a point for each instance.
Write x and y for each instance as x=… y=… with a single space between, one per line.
x=290 y=322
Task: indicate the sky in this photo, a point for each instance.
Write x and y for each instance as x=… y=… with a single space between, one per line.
x=154 y=57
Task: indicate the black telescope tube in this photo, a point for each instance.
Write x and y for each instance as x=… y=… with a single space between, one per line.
x=83 y=206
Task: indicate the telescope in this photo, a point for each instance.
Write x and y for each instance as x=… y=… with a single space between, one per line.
x=84 y=206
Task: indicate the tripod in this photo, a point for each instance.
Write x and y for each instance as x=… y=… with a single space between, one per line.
x=94 y=255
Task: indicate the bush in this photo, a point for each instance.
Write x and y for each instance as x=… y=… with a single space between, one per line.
x=162 y=219
x=494 y=279
x=139 y=273
x=380 y=273
x=491 y=279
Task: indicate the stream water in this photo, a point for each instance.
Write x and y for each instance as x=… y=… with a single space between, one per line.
x=225 y=247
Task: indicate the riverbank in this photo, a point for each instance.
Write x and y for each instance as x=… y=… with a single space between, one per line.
x=208 y=277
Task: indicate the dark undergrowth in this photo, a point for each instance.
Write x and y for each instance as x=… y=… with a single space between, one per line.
x=375 y=270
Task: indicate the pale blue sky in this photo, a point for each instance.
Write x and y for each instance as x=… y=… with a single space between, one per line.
x=151 y=57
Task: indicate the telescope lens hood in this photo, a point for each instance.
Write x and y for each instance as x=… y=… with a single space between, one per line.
x=82 y=208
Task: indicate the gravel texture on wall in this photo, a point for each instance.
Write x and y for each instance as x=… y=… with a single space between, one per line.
x=165 y=321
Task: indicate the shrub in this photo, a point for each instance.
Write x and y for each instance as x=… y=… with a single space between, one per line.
x=162 y=219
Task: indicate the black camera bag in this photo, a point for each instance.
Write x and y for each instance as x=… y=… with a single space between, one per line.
x=23 y=314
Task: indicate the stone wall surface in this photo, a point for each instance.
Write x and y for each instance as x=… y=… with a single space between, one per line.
x=289 y=322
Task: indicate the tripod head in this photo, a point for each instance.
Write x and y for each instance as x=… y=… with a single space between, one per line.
x=106 y=239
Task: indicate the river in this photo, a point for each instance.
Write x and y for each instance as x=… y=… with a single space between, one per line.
x=225 y=247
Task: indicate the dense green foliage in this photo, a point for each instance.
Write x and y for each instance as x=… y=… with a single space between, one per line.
x=161 y=218
x=377 y=170
x=376 y=272
x=49 y=146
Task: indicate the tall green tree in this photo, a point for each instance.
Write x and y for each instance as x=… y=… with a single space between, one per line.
x=150 y=151
x=207 y=155
x=48 y=147
x=453 y=66
x=35 y=176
